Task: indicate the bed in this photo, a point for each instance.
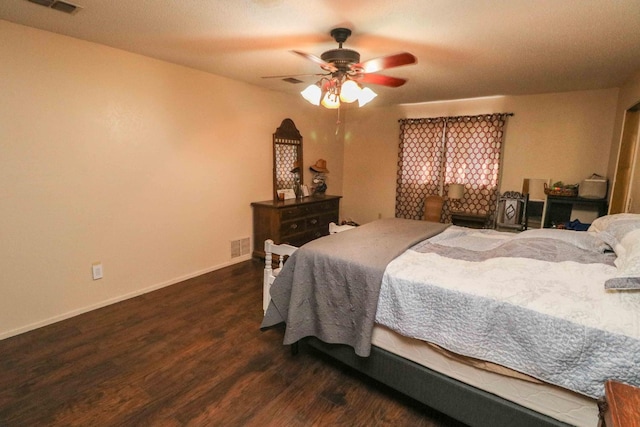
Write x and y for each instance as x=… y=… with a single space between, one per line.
x=491 y=328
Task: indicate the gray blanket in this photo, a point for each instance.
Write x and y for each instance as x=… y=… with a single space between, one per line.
x=540 y=249
x=329 y=287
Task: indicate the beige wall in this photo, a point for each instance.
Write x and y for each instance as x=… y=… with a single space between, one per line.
x=561 y=136
x=145 y=166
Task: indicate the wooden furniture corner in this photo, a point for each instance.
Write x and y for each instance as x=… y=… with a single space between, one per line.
x=621 y=407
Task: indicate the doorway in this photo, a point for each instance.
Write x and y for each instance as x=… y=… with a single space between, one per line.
x=626 y=196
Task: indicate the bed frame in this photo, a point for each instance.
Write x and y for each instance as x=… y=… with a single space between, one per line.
x=465 y=403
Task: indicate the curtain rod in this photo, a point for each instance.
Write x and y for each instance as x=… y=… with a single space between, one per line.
x=445 y=118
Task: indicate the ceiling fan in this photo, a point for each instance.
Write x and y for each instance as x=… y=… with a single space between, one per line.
x=345 y=73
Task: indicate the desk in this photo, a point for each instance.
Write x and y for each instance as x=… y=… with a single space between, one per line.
x=468 y=219
x=559 y=208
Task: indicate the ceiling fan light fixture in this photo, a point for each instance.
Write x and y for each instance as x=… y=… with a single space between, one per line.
x=343 y=72
x=366 y=96
x=313 y=94
x=350 y=91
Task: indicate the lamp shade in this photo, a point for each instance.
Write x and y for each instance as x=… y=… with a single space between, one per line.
x=350 y=91
x=456 y=191
x=312 y=93
x=366 y=96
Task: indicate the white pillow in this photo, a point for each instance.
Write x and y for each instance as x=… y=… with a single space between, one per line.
x=613 y=228
x=603 y=222
x=628 y=263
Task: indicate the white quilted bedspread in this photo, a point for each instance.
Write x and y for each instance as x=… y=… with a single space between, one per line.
x=551 y=320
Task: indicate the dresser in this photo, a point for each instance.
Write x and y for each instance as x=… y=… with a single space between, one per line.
x=293 y=221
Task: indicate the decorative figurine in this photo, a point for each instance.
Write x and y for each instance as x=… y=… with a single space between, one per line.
x=319 y=179
x=296 y=180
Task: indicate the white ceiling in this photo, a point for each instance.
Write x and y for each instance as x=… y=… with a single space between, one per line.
x=465 y=48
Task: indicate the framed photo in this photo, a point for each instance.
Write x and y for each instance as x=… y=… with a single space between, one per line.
x=286 y=194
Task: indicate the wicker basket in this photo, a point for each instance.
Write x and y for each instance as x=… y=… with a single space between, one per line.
x=563 y=192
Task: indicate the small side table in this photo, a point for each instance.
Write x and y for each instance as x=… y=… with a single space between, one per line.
x=621 y=407
x=468 y=219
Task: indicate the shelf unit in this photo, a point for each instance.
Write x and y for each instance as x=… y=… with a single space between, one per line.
x=559 y=208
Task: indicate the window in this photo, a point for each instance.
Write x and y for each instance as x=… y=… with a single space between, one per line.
x=436 y=152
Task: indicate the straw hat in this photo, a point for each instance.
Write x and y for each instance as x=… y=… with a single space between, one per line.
x=320 y=166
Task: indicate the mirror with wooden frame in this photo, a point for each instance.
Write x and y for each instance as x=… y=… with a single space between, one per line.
x=287 y=156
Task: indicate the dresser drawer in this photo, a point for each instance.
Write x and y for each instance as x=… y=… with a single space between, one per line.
x=331 y=205
x=292 y=227
x=292 y=213
x=313 y=221
x=314 y=234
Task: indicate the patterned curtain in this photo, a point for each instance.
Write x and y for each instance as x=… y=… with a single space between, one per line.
x=420 y=164
x=468 y=154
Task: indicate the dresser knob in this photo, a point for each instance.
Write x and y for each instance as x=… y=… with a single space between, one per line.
x=294 y=226
x=314 y=221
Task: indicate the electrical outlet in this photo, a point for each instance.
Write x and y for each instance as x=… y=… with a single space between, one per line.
x=96 y=270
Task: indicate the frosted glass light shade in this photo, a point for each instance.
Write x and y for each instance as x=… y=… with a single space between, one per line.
x=312 y=93
x=456 y=191
x=350 y=91
x=366 y=96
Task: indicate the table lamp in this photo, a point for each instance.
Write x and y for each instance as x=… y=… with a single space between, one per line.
x=456 y=193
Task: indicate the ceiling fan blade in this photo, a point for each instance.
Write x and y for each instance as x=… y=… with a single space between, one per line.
x=382 y=63
x=325 y=65
x=293 y=75
x=378 y=79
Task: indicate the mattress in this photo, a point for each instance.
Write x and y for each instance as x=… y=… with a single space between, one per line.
x=558 y=403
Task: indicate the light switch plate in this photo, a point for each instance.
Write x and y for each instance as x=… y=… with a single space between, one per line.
x=96 y=270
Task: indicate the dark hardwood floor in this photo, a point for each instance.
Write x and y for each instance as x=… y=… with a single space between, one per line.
x=188 y=354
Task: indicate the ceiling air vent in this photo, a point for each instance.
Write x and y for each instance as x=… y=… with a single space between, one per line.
x=62 y=6
x=292 y=80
